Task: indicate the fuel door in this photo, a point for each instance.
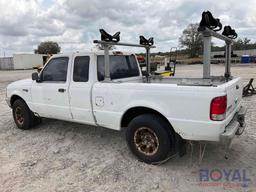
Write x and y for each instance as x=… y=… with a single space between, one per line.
x=99 y=101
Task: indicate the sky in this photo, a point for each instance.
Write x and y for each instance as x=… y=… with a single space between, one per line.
x=74 y=24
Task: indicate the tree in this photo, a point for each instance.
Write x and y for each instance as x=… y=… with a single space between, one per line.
x=48 y=47
x=246 y=41
x=191 y=40
x=241 y=44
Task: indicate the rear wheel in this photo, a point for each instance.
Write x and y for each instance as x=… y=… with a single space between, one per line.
x=22 y=115
x=150 y=138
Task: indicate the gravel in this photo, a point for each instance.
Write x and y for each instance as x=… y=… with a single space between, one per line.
x=62 y=156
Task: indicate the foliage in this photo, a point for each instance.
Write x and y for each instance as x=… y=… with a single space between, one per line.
x=48 y=47
x=239 y=44
x=243 y=44
x=191 y=40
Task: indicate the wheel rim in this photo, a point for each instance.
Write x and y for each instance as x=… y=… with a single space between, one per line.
x=19 y=116
x=146 y=141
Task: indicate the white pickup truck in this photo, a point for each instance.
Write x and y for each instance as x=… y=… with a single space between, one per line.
x=156 y=115
x=108 y=89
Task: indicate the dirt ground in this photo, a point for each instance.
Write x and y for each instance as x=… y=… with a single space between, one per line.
x=62 y=156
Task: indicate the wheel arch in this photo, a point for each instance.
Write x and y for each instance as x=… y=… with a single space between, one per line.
x=133 y=112
x=14 y=98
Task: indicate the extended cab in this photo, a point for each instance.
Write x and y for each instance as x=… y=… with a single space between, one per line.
x=155 y=114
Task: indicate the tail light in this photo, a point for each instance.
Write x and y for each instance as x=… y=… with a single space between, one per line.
x=218 y=108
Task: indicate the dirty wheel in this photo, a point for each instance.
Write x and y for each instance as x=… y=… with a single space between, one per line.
x=146 y=141
x=19 y=116
x=150 y=138
x=22 y=115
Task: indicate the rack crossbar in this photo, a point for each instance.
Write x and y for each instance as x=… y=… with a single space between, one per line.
x=123 y=44
x=106 y=45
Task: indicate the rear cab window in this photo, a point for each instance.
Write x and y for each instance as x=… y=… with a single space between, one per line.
x=121 y=66
x=81 y=69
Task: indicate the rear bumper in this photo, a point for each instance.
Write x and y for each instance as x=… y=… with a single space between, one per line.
x=235 y=127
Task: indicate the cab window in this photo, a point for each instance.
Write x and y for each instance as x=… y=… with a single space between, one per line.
x=121 y=66
x=81 y=69
x=56 y=70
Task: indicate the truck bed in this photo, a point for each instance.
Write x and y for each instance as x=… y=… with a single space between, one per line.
x=213 y=81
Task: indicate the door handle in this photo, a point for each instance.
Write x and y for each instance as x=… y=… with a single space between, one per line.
x=61 y=90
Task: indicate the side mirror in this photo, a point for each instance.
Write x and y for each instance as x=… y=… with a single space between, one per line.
x=35 y=77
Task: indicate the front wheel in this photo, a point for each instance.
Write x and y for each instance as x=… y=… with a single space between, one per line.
x=150 y=138
x=22 y=115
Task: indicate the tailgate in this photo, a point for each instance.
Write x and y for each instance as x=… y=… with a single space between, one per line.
x=234 y=90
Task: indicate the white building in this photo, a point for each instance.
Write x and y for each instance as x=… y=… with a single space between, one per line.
x=27 y=61
x=22 y=61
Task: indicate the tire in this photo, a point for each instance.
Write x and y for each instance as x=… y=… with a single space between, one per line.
x=23 y=117
x=150 y=138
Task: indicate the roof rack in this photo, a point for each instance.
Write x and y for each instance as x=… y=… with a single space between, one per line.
x=106 y=45
x=208 y=33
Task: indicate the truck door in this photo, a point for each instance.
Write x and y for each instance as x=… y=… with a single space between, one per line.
x=80 y=89
x=50 y=96
x=106 y=96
